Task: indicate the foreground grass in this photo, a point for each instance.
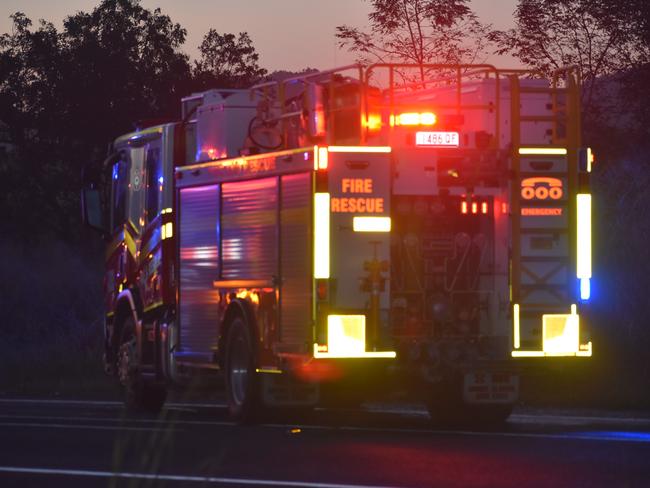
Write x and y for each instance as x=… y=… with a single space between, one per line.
x=51 y=327
x=52 y=371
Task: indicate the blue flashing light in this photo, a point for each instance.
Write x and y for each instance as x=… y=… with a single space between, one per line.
x=115 y=171
x=160 y=180
x=585 y=288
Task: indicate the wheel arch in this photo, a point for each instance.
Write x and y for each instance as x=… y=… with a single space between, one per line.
x=127 y=304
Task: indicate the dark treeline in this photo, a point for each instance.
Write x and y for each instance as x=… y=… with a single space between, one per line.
x=65 y=94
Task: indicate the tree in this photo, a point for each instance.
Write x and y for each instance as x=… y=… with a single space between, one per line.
x=593 y=35
x=66 y=94
x=123 y=64
x=280 y=75
x=636 y=79
x=30 y=77
x=227 y=61
x=419 y=32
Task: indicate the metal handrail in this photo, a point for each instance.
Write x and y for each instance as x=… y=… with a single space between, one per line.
x=461 y=72
x=279 y=87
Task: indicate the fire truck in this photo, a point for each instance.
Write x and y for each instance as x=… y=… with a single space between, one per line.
x=390 y=227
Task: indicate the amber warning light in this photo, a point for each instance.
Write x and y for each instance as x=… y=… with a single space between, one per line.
x=437 y=139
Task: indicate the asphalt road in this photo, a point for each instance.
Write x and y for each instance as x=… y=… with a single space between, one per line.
x=95 y=443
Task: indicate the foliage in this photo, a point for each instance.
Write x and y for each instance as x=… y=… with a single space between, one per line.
x=227 y=60
x=594 y=35
x=51 y=332
x=637 y=79
x=65 y=95
x=282 y=74
x=418 y=32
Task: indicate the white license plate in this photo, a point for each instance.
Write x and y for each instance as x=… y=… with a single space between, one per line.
x=437 y=139
x=490 y=387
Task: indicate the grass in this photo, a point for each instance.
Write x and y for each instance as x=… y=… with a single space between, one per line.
x=51 y=326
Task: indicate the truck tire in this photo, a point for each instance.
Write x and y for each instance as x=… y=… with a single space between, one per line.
x=242 y=382
x=139 y=395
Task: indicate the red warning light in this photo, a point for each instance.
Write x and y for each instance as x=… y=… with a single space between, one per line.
x=484 y=208
x=474 y=207
x=321 y=289
x=463 y=207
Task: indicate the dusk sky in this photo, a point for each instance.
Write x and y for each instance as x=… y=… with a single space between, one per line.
x=288 y=34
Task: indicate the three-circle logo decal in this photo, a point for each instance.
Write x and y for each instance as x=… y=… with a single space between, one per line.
x=541 y=188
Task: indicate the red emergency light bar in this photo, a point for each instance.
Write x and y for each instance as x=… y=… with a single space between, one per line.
x=414 y=118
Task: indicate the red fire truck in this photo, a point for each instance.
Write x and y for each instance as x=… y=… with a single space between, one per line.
x=348 y=227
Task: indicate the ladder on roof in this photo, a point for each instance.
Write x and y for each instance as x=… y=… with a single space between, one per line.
x=543 y=210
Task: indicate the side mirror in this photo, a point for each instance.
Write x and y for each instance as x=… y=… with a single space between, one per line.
x=91 y=209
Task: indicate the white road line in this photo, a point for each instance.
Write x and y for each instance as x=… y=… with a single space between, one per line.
x=173 y=477
x=102 y=403
x=71 y=426
x=126 y=420
x=571 y=436
x=545 y=418
x=44 y=401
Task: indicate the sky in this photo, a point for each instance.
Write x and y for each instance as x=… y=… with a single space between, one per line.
x=288 y=34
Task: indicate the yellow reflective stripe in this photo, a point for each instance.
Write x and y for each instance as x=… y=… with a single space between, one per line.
x=167 y=231
x=360 y=149
x=130 y=243
x=542 y=151
x=371 y=224
x=583 y=240
x=152 y=306
x=517 y=326
x=321 y=235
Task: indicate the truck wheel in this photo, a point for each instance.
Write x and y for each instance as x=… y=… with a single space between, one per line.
x=139 y=394
x=242 y=390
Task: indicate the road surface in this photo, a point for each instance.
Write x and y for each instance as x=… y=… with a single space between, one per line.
x=80 y=443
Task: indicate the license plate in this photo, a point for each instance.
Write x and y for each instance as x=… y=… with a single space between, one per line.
x=490 y=387
x=437 y=139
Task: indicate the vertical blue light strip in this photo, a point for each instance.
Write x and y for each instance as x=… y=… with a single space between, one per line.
x=585 y=288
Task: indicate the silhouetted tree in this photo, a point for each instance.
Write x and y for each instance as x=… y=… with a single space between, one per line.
x=30 y=82
x=596 y=36
x=227 y=61
x=65 y=95
x=419 y=32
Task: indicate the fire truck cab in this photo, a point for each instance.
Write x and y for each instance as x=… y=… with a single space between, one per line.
x=357 y=224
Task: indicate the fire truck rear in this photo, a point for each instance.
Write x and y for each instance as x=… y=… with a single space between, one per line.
x=343 y=228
